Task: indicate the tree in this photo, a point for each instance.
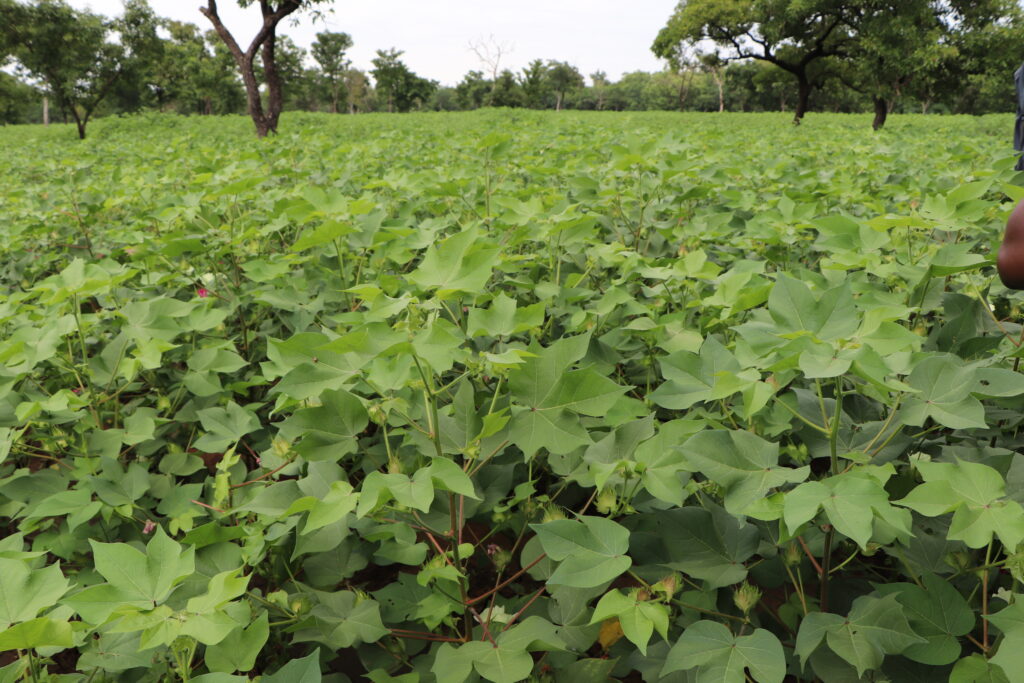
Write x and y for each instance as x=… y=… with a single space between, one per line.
x=490 y=52
x=388 y=74
x=71 y=51
x=794 y=35
x=199 y=74
x=506 y=91
x=357 y=90
x=473 y=91
x=143 y=60
x=564 y=78
x=714 y=66
x=264 y=45
x=535 y=84
x=329 y=52
x=403 y=89
x=601 y=83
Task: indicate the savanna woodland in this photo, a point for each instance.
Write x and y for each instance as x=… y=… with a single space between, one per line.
x=293 y=391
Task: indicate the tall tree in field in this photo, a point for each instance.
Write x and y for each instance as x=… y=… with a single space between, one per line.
x=713 y=65
x=71 y=51
x=389 y=73
x=564 y=78
x=329 y=52
x=357 y=90
x=794 y=35
x=402 y=88
x=896 y=43
x=535 y=84
x=264 y=46
x=601 y=83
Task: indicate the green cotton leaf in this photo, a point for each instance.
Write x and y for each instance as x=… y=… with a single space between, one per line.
x=661 y=462
x=460 y=263
x=590 y=551
x=339 y=621
x=503 y=318
x=938 y=613
x=41 y=632
x=439 y=344
x=498 y=664
x=708 y=544
x=150 y=576
x=955 y=258
x=851 y=501
x=977 y=669
x=25 y=592
x=379 y=488
x=998 y=383
x=1010 y=620
x=875 y=627
x=309 y=380
x=222 y=588
x=794 y=308
x=114 y=652
x=711 y=375
x=238 y=651
x=507 y=661
x=975 y=493
x=225 y=426
x=548 y=394
x=340 y=500
x=328 y=431
x=742 y=463
x=305 y=670
x=208 y=629
x=638 y=618
x=944 y=385
x=273 y=500
x=95 y=604
x=448 y=476
x=721 y=657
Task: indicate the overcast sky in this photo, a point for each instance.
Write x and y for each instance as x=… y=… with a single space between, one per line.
x=608 y=35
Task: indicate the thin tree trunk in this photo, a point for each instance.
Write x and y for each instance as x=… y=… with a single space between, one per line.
x=720 y=82
x=275 y=96
x=46 y=111
x=925 y=105
x=803 y=98
x=881 y=112
x=558 y=101
x=80 y=123
x=265 y=122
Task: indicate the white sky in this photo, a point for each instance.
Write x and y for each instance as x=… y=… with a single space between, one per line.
x=609 y=35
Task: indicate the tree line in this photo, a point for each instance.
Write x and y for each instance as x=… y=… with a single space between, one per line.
x=875 y=56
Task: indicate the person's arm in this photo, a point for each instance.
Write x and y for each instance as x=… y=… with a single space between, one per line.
x=1011 y=252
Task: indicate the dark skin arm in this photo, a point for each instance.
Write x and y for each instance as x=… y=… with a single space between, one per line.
x=1011 y=252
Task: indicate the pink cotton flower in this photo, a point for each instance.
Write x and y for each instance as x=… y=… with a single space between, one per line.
x=202 y=292
x=149 y=527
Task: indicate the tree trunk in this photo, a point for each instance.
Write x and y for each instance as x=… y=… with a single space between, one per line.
x=264 y=42
x=334 y=99
x=803 y=97
x=46 y=111
x=558 y=101
x=275 y=96
x=720 y=82
x=881 y=112
x=925 y=105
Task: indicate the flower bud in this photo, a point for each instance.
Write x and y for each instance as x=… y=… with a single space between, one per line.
x=746 y=597
x=552 y=513
x=606 y=502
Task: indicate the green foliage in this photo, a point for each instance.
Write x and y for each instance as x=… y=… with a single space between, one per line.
x=510 y=396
